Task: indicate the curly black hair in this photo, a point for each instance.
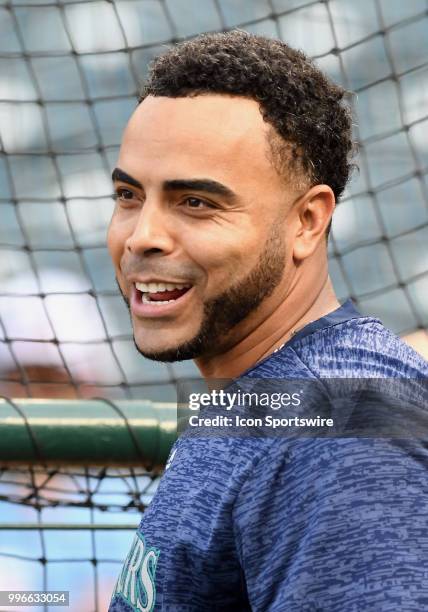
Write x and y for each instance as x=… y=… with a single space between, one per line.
x=302 y=105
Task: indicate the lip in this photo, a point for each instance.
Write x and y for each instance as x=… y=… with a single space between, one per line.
x=155 y=312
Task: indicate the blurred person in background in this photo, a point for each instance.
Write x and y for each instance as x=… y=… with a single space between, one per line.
x=35 y=366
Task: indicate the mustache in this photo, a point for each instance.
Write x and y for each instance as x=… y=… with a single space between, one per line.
x=158 y=268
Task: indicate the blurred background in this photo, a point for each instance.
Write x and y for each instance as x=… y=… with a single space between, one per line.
x=69 y=77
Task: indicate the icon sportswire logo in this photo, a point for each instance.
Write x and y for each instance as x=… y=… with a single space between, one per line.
x=136 y=583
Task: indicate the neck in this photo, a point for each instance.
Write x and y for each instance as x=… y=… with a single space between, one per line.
x=275 y=325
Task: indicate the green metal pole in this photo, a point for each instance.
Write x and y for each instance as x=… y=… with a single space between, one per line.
x=91 y=432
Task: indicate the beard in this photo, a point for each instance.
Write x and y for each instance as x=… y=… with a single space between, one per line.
x=222 y=313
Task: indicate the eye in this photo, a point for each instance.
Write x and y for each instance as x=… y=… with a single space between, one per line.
x=123 y=194
x=197 y=204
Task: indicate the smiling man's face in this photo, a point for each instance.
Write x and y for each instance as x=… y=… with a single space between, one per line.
x=199 y=232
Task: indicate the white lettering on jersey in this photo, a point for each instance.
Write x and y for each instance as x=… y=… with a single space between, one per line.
x=130 y=586
x=136 y=583
x=147 y=578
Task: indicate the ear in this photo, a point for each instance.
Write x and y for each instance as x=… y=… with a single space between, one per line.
x=313 y=212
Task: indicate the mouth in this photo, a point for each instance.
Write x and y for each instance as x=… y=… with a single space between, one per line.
x=160 y=293
x=158 y=299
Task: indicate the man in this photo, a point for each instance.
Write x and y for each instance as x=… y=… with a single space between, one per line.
x=226 y=182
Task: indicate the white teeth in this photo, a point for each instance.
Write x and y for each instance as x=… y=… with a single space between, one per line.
x=157 y=287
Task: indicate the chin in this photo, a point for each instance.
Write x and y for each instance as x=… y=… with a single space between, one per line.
x=166 y=355
x=176 y=351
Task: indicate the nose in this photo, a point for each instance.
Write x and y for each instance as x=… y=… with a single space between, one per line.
x=151 y=233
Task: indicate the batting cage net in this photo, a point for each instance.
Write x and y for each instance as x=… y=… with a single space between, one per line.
x=69 y=529
x=69 y=77
x=66 y=523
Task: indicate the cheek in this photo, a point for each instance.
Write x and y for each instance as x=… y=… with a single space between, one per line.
x=116 y=239
x=224 y=256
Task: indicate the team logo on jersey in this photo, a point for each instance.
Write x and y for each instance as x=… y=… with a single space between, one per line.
x=136 y=583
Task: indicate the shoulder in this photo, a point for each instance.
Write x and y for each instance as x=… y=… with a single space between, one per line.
x=359 y=347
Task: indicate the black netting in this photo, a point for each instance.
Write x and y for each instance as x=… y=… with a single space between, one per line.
x=69 y=528
x=69 y=76
x=70 y=72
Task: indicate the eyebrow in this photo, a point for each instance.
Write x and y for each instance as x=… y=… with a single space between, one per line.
x=123 y=177
x=201 y=184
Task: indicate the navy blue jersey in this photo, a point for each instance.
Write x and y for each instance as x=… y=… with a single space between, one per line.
x=296 y=524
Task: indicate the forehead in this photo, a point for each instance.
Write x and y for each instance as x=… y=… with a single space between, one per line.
x=211 y=135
